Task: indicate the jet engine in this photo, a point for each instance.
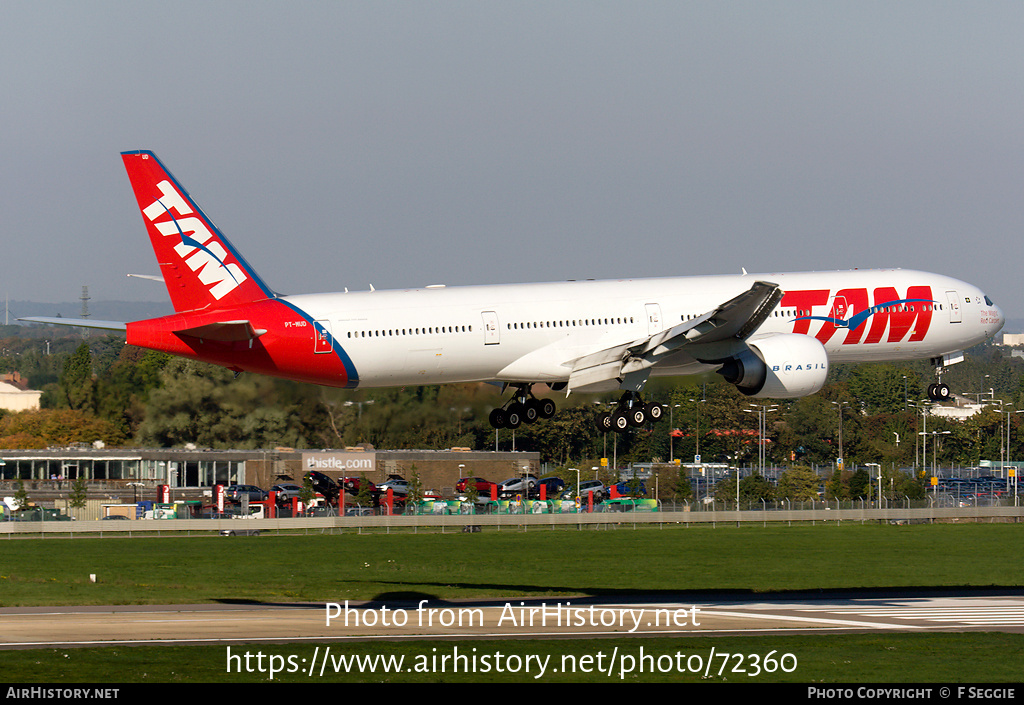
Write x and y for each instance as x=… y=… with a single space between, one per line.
x=779 y=366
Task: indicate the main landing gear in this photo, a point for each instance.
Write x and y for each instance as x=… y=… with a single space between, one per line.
x=522 y=408
x=631 y=411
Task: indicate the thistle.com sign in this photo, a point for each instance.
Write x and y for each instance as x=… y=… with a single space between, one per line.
x=342 y=464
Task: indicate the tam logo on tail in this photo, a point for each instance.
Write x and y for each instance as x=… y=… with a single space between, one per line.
x=200 y=254
x=215 y=276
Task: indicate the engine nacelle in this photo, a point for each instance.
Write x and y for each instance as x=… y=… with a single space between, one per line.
x=780 y=366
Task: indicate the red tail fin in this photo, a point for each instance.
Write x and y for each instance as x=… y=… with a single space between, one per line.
x=200 y=267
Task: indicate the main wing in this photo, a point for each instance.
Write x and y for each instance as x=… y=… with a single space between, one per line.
x=630 y=364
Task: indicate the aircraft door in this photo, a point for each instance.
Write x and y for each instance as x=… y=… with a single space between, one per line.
x=322 y=338
x=953 y=300
x=654 y=322
x=491 y=330
x=840 y=312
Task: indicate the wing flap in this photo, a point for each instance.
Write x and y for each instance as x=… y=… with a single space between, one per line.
x=737 y=319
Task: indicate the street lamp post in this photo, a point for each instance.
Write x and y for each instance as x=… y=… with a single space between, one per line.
x=923 y=405
x=762 y=411
x=935 y=448
x=877 y=465
x=840 y=405
x=698 y=402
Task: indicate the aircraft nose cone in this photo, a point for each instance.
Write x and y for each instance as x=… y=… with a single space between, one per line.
x=997 y=320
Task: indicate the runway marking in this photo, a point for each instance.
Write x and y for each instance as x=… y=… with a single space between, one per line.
x=994 y=612
x=814 y=620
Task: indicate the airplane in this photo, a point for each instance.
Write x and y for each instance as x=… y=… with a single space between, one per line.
x=770 y=335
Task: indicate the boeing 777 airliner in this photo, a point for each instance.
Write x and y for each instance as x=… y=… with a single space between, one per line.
x=771 y=335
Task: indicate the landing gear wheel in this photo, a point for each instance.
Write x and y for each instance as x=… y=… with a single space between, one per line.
x=531 y=410
x=604 y=422
x=547 y=408
x=940 y=392
x=655 y=411
x=637 y=416
x=620 y=421
x=498 y=418
x=514 y=416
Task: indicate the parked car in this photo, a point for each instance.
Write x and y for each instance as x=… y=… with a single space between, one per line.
x=586 y=487
x=483 y=487
x=234 y=493
x=398 y=486
x=286 y=492
x=552 y=486
x=325 y=486
x=624 y=490
x=516 y=485
x=352 y=485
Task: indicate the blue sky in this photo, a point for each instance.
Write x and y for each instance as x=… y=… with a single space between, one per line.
x=344 y=144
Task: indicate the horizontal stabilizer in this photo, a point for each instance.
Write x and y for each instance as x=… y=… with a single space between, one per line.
x=76 y=322
x=226 y=331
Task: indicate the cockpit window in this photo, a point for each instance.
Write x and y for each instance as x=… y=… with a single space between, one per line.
x=988 y=301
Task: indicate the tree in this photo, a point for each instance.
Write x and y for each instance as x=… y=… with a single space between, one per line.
x=205 y=405
x=21 y=496
x=79 y=493
x=860 y=484
x=838 y=485
x=754 y=488
x=307 y=493
x=683 y=489
x=798 y=484
x=77 y=380
x=364 y=498
x=472 y=493
x=56 y=427
x=415 y=494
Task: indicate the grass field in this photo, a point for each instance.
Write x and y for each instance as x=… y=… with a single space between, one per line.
x=353 y=566
x=507 y=564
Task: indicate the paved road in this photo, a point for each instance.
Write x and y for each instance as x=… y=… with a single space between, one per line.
x=548 y=618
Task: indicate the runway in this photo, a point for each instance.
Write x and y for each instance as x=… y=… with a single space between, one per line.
x=45 y=627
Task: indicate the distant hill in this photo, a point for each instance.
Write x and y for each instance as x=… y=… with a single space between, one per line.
x=100 y=310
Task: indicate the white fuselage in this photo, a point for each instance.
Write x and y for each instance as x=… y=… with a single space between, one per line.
x=534 y=332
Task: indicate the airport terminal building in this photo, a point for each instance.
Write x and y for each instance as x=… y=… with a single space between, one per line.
x=197 y=470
